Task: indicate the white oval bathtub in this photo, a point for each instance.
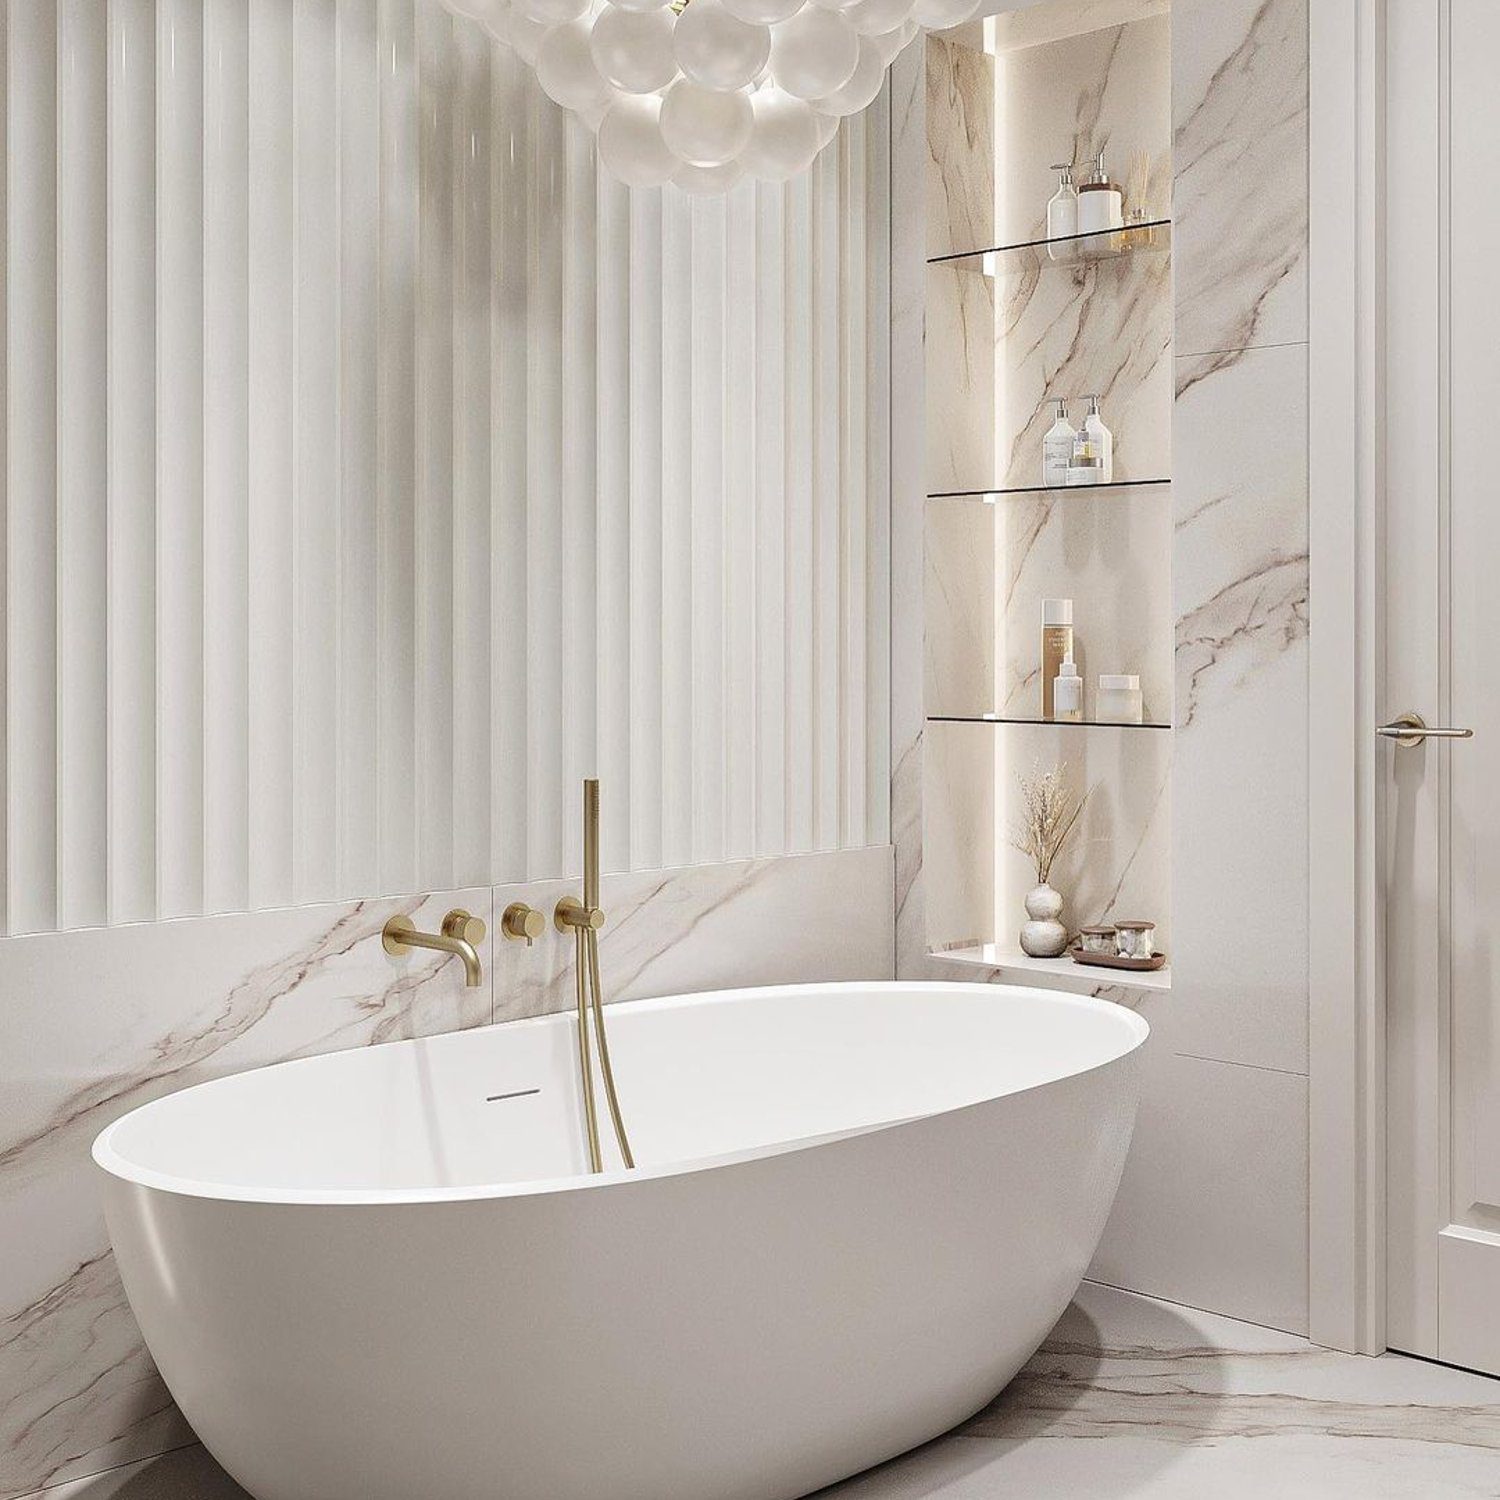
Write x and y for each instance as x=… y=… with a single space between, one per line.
x=383 y=1274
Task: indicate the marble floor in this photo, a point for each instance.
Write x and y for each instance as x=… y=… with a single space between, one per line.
x=1134 y=1399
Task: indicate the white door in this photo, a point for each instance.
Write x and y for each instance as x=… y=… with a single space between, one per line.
x=1441 y=796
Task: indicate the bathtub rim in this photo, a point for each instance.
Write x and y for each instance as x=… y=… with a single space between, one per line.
x=110 y=1161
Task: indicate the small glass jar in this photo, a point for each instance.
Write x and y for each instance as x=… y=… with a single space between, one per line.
x=1135 y=939
x=1120 y=699
x=1097 y=940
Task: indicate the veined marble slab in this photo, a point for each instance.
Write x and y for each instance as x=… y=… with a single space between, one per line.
x=805 y=918
x=1240 y=579
x=1239 y=105
x=101 y=1021
x=1134 y=1399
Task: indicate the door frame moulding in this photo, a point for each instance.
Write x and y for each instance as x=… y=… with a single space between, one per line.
x=1346 y=970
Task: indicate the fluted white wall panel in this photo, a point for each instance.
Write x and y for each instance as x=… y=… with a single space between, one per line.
x=375 y=467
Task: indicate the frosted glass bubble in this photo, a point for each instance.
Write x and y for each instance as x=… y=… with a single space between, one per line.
x=876 y=17
x=633 y=49
x=640 y=4
x=762 y=12
x=631 y=143
x=939 y=15
x=837 y=5
x=525 y=37
x=828 y=127
x=565 y=68
x=707 y=182
x=813 y=53
x=552 y=12
x=860 y=91
x=890 y=43
x=786 y=136
x=716 y=49
x=705 y=127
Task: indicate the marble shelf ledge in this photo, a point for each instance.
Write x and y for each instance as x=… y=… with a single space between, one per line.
x=1011 y=966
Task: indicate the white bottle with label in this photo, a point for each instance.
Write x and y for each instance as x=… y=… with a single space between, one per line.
x=1083 y=466
x=1101 y=207
x=1103 y=442
x=1057 y=446
x=1062 y=214
x=1067 y=693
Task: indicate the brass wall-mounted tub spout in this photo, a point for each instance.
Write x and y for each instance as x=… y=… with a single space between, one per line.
x=461 y=935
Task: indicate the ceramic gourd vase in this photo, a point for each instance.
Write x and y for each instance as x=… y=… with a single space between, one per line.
x=1044 y=936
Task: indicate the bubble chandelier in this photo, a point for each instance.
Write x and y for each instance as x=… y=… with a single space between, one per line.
x=702 y=93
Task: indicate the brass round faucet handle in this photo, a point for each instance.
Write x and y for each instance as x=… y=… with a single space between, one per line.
x=461 y=924
x=523 y=923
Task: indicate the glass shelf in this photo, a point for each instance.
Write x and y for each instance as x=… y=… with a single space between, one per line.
x=989 y=497
x=1039 y=722
x=1152 y=238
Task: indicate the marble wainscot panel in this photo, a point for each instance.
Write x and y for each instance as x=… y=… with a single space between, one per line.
x=808 y=918
x=1239 y=105
x=100 y=1021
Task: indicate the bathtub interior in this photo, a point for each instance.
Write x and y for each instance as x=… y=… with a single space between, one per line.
x=499 y=1108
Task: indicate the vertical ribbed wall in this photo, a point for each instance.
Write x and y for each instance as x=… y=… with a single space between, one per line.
x=374 y=468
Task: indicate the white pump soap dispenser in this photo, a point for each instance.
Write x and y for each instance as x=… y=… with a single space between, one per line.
x=1101 y=204
x=1103 y=442
x=1057 y=446
x=1062 y=213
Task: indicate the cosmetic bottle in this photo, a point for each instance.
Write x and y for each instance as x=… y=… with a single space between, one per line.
x=1057 y=646
x=1083 y=466
x=1067 y=693
x=1104 y=442
x=1057 y=446
x=1101 y=207
x=1062 y=213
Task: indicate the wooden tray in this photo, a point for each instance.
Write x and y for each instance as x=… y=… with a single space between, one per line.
x=1114 y=961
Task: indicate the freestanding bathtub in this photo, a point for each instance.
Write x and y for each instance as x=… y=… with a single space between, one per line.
x=384 y=1274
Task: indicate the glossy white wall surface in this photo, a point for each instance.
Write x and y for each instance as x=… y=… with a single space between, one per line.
x=374 y=468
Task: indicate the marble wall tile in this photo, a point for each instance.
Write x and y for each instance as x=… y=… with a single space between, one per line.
x=958 y=839
x=1240 y=797
x=909 y=158
x=1096 y=90
x=989 y=567
x=810 y=918
x=1212 y=1210
x=1239 y=105
x=1116 y=865
x=1030 y=25
x=960 y=176
x=103 y=1020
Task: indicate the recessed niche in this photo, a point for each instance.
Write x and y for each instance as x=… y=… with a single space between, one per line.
x=1010 y=324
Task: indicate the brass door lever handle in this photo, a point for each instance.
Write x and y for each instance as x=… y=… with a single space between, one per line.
x=1412 y=729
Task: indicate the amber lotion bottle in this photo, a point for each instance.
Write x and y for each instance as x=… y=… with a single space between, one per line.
x=1057 y=646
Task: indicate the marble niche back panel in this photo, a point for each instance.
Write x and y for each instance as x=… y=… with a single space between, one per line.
x=1004 y=332
x=1005 y=337
x=102 y=1020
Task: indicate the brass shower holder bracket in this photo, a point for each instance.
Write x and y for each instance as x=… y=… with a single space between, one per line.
x=570 y=914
